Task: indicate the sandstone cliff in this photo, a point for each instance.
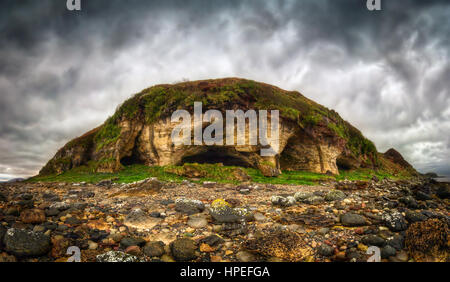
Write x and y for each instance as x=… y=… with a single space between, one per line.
x=312 y=137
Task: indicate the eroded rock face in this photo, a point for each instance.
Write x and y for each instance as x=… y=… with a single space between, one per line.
x=311 y=137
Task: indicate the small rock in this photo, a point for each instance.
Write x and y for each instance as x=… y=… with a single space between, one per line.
x=222 y=212
x=205 y=248
x=409 y=201
x=421 y=196
x=314 y=200
x=397 y=241
x=4 y=257
x=51 y=212
x=39 y=228
x=209 y=184
x=283 y=201
x=61 y=206
x=325 y=250
x=412 y=216
x=32 y=216
x=117 y=256
x=131 y=241
x=351 y=219
x=335 y=195
x=183 y=249
x=167 y=258
x=92 y=245
x=133 y=250
x=154 y=249
x=302 y=196
x=105 y=183
x=259 y=217
x=197 y=221
x=323 y=230
x=395 y=221
x=373 y=240
x=26 y=196
x=341 y=256
x=244 y=256
x=212 y=240
x=189 y=206
x=72 y=221
x=402 y=256
x=59 y=246
x=387 y=251
x=141 y=220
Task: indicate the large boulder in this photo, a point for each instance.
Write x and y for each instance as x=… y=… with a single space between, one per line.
x=24 y=243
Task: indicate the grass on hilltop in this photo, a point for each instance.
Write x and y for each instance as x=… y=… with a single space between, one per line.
x=220 y=174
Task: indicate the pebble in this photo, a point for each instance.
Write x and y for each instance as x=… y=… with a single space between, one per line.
x=92 y=245
x=244 y=256
x=197 y=222
x=351 y=219
x=154 y=249
x=325 y=250
x=183 y=249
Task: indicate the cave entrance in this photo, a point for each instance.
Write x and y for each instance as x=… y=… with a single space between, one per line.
x=132 y=159
x=217 y=155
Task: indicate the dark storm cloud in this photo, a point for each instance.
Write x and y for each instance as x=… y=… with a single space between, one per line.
x=62 y=73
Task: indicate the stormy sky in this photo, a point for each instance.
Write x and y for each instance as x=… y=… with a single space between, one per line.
x=64 y=72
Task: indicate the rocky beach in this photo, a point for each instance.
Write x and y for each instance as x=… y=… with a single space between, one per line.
x=153 y=220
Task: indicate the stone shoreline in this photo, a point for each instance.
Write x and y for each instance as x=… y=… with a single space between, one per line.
x=162 y=221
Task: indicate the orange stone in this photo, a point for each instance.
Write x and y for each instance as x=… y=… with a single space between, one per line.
x=216 y=259
x=32 y=216
x=206 y=248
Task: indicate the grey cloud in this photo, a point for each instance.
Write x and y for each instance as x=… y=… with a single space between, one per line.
x=62 y=73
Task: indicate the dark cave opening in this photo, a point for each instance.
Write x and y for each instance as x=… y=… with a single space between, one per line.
x=216 y=155
x=131 y=160
x=343 y=165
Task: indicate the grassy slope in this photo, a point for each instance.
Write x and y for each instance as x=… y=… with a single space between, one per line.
x=215 y=173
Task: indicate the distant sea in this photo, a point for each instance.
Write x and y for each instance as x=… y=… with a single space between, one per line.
x=443 y=179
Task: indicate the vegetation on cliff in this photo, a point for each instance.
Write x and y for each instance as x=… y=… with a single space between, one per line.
x=162 y=100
